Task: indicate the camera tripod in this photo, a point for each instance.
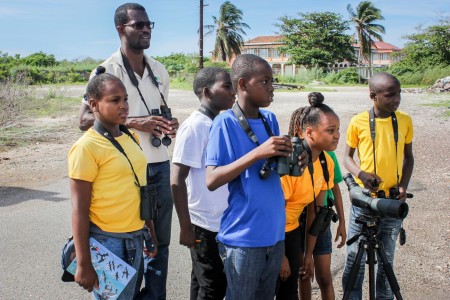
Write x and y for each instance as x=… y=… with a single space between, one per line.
x=370 y=244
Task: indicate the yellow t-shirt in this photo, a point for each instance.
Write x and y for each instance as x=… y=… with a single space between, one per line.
x=298 y=190
x=358 y=137
x=115 y=199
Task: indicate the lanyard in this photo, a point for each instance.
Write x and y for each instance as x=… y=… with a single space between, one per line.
x=206 y=111
x=135 y=82
x=372 y=135
x=107 y=135
x=246 y=127
x=323 y=163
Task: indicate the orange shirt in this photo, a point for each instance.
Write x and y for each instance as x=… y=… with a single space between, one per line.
x=298 y=190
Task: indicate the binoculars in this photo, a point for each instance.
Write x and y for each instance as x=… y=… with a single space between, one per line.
x=149 y=202
x=167 y=114
x=289 y=165
x=322 y=220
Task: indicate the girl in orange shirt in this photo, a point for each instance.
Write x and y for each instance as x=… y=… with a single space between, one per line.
x=317 y=126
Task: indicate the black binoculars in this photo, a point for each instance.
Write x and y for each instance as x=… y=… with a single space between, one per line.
x=322 y=220
x=167 y=114
x=289 y=165
x=285 y=165
x=149 y=202
x=394 y=192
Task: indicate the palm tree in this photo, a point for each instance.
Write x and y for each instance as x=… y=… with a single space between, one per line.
x=228 y=28
x=366 y=30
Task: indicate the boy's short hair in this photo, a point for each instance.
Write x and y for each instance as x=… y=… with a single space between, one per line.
x=121 y=14
x=244 y=66
x=205 y=78
x=378 y=81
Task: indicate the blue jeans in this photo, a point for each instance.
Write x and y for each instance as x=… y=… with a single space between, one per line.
x=117 y=246
x=388 y=233
x=251 y=272
x=323 y=245
x=156 y=274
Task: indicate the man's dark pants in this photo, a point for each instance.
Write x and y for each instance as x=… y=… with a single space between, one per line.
x=156 y=275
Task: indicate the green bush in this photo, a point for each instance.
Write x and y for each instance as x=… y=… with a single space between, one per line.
x=345 y=76
x=217 y=64
x=419 y=75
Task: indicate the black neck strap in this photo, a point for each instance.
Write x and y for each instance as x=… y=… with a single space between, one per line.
x=106 y=134
x=372 y=117
x=323 y=163
x=206 y=111
x=135 y=82
x=326 y=175
x=246 y=127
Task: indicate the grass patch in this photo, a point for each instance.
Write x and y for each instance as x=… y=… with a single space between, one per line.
x=26 y=134
x=415 y=86
x=56 y=106
x=22 y=105
x=443 y=103
x=178 y=84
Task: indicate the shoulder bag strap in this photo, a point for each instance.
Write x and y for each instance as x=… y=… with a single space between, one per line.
x=107 y=135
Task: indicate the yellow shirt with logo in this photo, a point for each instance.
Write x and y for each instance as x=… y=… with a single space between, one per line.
x=388 y=158
x=115 y=199
x=298 y=190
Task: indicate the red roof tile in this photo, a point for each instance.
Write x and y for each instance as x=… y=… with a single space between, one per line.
x=264 y=39
x=267 y=39
x=386 y=46
x=382 y=46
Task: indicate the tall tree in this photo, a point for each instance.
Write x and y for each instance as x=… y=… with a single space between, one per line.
x=228 y=28
x=366 y=30
x=316 y=39
x=429 y=47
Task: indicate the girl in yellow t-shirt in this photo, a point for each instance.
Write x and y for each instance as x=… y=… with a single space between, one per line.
x=318 y=127
x=104 y=185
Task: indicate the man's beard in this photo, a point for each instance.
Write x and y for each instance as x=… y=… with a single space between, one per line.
x=140 y=45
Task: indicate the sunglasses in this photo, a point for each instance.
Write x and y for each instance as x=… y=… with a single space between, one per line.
x=141 y=24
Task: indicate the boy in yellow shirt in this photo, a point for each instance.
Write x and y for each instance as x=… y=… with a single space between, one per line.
x=386 y=161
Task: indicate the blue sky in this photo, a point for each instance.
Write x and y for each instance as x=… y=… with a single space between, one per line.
x=81 y=28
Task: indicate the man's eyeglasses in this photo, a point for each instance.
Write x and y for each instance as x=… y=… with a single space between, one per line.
x=141 y=24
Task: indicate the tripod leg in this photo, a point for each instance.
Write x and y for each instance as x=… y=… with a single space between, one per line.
x=351 y=280
x=371 y=261
x=389 y=271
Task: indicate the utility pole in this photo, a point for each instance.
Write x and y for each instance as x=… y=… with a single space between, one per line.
x=200 y=63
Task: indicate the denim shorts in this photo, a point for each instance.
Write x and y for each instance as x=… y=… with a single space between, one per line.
x=323 y=243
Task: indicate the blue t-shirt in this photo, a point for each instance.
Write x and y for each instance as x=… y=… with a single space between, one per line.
x=255 y=216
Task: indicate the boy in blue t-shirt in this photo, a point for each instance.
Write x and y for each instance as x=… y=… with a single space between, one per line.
x=241 y=142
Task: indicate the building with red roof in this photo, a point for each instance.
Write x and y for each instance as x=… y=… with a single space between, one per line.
x=266 y=47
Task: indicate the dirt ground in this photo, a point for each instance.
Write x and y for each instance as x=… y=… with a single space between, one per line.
x=422 y=266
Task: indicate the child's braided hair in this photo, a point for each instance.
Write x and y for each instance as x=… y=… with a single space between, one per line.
x=308 y=115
